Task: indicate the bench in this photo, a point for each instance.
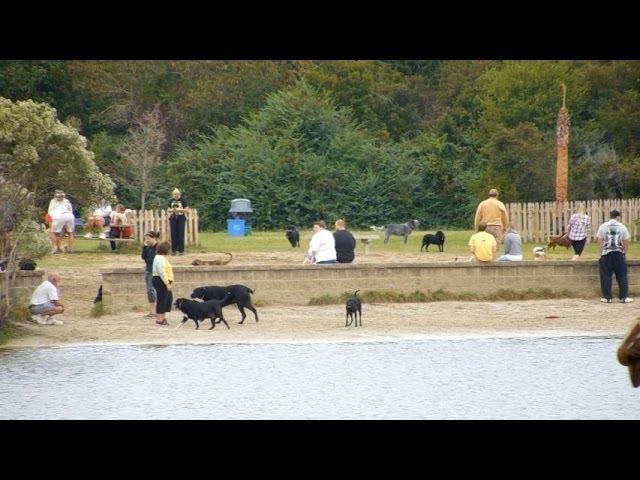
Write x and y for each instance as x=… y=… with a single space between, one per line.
x=366 y=241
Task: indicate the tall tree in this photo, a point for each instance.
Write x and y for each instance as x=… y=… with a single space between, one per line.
x=142 y=153
x=562 y=143
x=55 y=155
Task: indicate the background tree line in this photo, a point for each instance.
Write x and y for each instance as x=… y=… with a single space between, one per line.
x=371 y=141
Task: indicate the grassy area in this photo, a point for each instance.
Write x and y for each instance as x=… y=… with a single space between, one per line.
x=456 y=244
x=371 y=296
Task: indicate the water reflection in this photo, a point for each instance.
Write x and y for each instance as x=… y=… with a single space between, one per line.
x=545 y=378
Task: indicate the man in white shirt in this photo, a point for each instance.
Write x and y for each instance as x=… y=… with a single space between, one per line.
x=322 y=248
x=61 y=213
x=613 y=243
x=45 y=301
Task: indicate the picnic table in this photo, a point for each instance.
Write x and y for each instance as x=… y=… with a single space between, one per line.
x=366 y=241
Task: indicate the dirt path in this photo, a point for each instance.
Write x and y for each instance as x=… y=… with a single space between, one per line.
x=381 y=322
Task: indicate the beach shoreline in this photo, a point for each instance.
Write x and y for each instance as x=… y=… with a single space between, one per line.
x=407 y=322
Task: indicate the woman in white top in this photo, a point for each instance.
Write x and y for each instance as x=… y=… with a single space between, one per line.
x=322 y=248
x=61 y=213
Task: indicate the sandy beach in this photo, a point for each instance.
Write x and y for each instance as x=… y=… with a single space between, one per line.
x=381 y=322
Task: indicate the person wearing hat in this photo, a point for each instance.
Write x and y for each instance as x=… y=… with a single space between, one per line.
x=62 y=218
x=493 y=212
x=613 y=242
x=177 y=220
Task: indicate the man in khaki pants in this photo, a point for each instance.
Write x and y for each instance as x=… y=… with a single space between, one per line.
x=494 y=213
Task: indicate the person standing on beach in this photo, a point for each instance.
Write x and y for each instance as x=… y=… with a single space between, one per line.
x=148 y=255
x=493 y=212
x=162 y=279
x=578 y=230
x=613 y=242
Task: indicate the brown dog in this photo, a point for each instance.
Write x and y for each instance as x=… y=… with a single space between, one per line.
x=559 y=240
x=217 y=261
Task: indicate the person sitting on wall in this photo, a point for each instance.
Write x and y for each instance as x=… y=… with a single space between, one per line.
x=512 y=246
x=482 y=244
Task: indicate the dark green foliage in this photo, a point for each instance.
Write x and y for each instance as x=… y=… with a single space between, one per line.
x=373 y=141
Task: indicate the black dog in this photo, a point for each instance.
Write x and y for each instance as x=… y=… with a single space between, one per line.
x=238 y=294
x=200 y=311
x=98 y=296
x=437 y=239
x=293 y=235
x=402 y=229
x=27 y=264
x=354 y=307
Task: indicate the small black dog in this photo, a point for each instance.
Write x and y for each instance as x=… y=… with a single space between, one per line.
x=27 y=264
x=98 y=296
x=200 y=311
x=293 y=235
x=354 y=307
x=239 y=294
x=437 y=239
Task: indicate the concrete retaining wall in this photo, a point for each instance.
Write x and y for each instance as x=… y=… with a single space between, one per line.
x=295 y=285
x=26 y=283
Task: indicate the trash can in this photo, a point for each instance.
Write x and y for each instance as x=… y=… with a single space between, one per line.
x=235 y=227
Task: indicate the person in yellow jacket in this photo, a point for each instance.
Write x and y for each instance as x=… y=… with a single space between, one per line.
x=162 y=279
x=493 y=212
x=483 y=245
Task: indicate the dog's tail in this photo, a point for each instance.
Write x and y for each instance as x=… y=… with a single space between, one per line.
x=355 y=294
x=252 y=292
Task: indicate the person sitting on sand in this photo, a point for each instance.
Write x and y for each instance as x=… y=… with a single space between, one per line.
x=45 y=301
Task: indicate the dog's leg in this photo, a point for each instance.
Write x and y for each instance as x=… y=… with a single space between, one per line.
x=224 y=321
x=197 y=324
x=346 y=320
x=213 y=323
x=184 y=320
x=250 y=306
x=244 y=315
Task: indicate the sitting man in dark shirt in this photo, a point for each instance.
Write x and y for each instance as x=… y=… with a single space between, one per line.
x=345 y=243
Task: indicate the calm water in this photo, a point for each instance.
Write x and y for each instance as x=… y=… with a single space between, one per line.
x=534 y=378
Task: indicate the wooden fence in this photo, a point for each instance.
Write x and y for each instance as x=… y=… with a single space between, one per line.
x=158 y=220
x=537 y=220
